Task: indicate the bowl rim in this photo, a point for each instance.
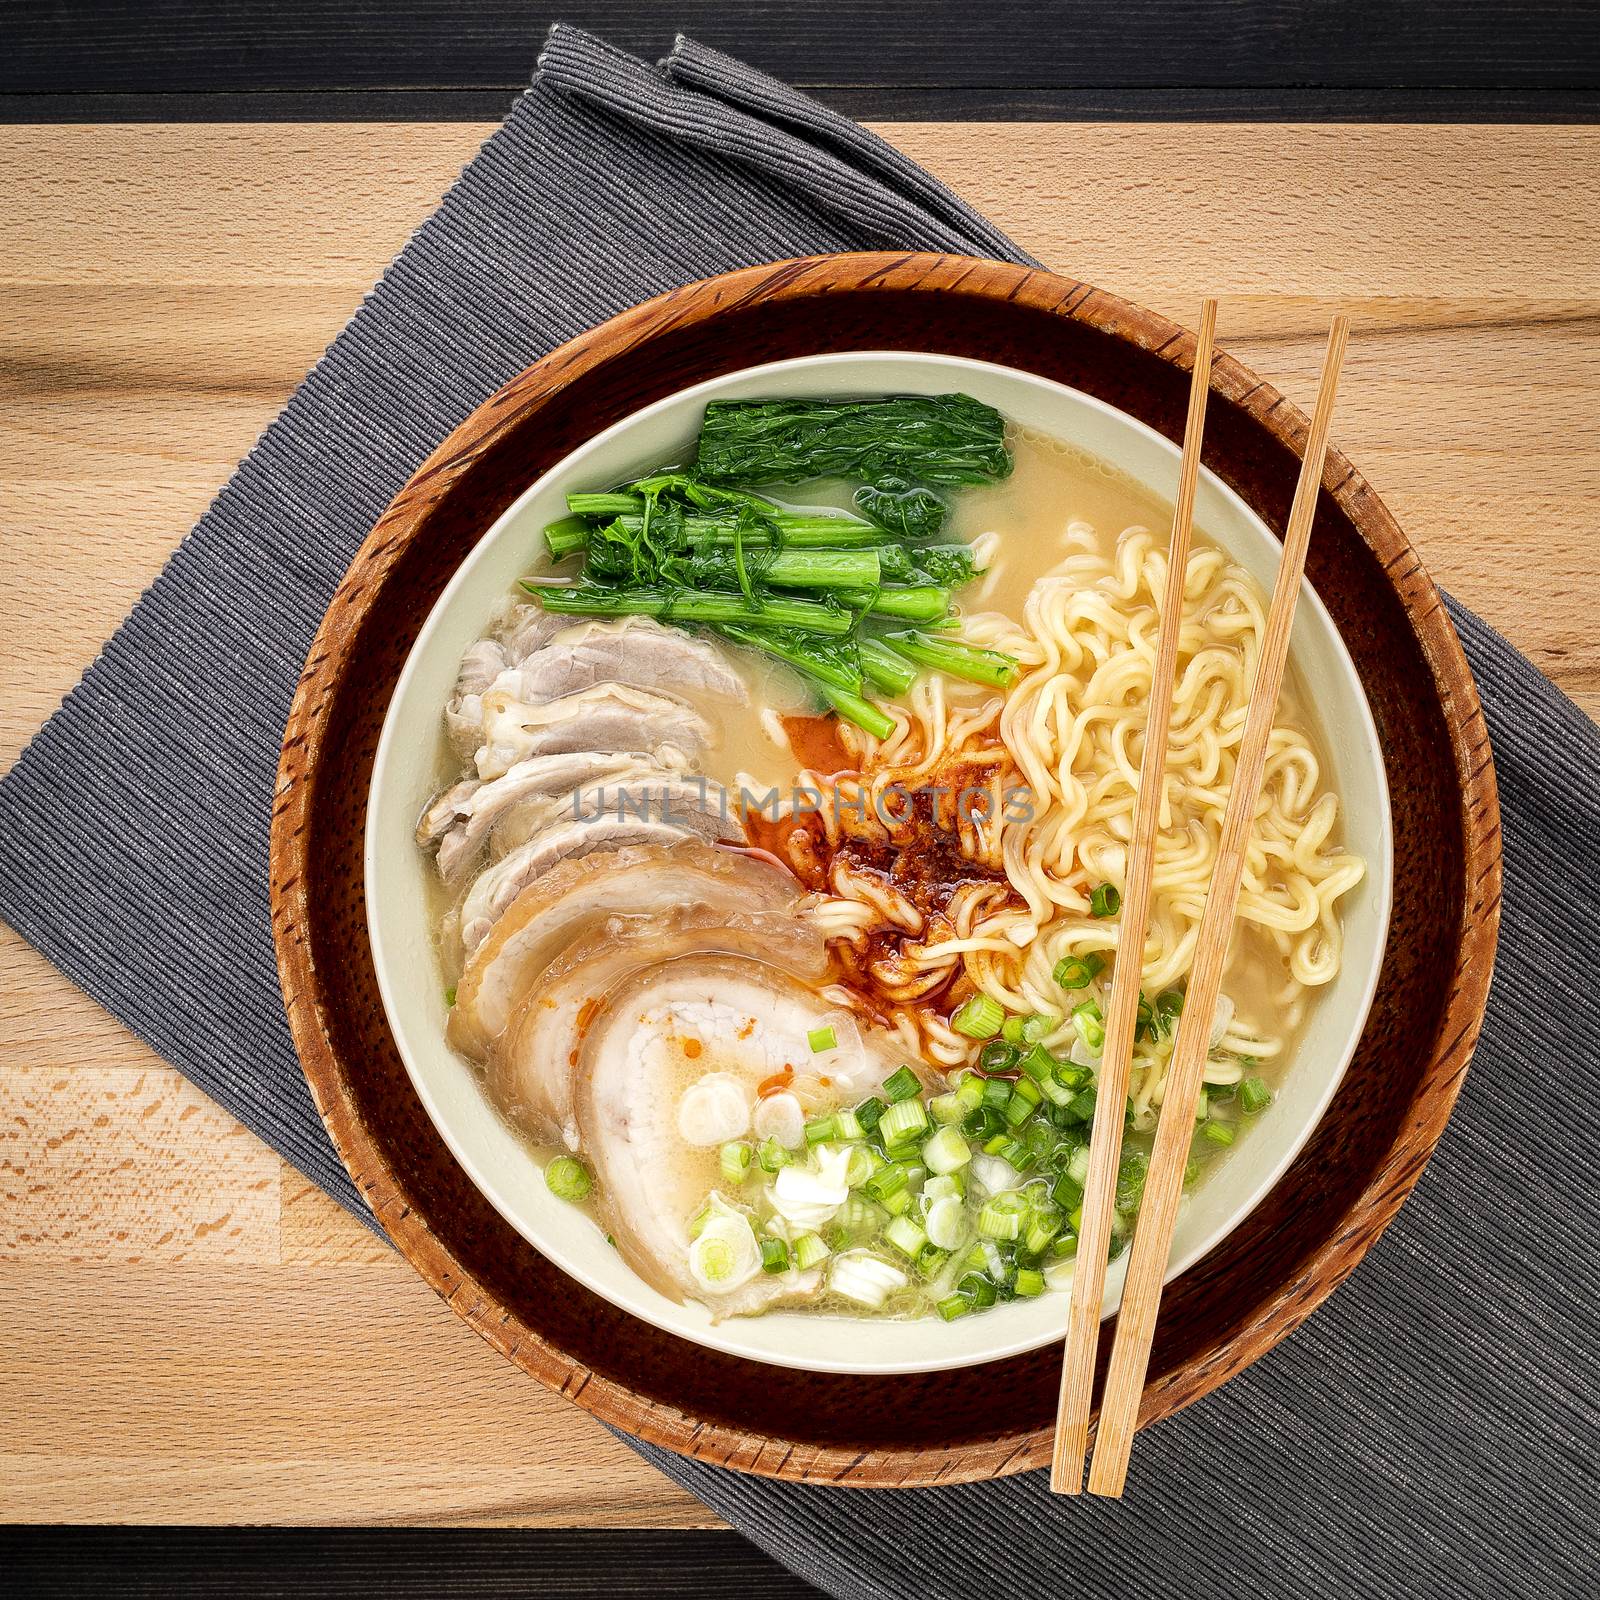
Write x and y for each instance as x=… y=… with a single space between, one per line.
x=954 y=278
x=733 y=1336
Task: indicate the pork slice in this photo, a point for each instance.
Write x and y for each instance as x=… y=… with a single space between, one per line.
x=610 y=717
x=570 y=900
x=637 y=651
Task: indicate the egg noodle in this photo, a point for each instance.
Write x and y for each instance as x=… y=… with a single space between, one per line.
x=1070 y=732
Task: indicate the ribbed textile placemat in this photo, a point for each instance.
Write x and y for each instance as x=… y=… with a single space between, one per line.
x=1430 y=1431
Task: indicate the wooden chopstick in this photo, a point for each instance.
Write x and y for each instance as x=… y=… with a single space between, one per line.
x=1163 y=1189
x=1122 y=1016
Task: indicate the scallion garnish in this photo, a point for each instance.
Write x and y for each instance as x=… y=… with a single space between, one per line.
x=997 y=1056
x=821 y=1039
x=1078 y=972
x=1105 y=901
x=1254 y=1096
x=567 y=1179
x=734 y=1161
x=979 y=1018
x=901 y=1084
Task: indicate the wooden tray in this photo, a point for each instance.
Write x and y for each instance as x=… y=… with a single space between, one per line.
x=1232 y=1306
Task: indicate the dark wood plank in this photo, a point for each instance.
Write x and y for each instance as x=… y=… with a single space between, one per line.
x=885 y=104
x=398 y=1563
x=945 y=58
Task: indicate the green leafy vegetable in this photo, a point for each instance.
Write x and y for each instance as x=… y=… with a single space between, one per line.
x=699 y=547
x=912 y=510
x=947 y=439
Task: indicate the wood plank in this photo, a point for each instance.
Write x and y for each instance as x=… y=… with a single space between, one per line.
x=161 y=292
x=170 y=45
x=884 y=103
x=292 y=1394
x=399 y=1563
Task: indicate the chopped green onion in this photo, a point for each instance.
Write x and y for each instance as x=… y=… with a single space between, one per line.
x=1169 y=1007
x=969 y=1092
x=905 y=1119
x=869 y=1113
x=997 y=1057
x=849 y=1125
x=980 y=1018
x=906 y=1236
x=858 y=1217
x=996 y=1091
x=1058 y=1090
x=979 y=1290
x=772 y=1156
x=953 y=1306
x=1002 y=1216
x=899 y=1085
x=1015 y=1153
x=450 y=995
x=1026 y=1030
x=1219 y=1132
x=821 y=1129
x=863 y=1162
x=1078 y=1167
x=887 y=1182
x=821 y=1039
x=1081 y=1106
x=567 y=1179
x=982 y=1123
x=1089 y=1022
x=1078 y=972
x=809 y=1250
x=774 y=1255
x=1029 y=1283
x=1105 y=901
x=946 y=1151
x=734 y=1160
x=1039 y=1064
x=1066 y=1194
x=1132 y=1170
x=1254 y=1096
x=947 y=1108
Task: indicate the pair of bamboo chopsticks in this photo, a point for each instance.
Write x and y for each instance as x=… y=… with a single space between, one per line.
x=1163 y=1189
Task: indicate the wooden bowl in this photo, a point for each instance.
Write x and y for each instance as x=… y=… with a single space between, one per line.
x=1274 y=1269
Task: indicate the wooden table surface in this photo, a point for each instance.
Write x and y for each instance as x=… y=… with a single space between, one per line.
x=188 y=1331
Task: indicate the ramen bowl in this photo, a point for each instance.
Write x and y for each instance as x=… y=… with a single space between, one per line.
x=1293 y=1207
x=402 y=913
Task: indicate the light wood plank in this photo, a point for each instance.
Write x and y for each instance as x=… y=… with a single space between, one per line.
x=161 y=292
x=289 y=1394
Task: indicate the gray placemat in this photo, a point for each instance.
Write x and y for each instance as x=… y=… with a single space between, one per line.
x=1430 y=1431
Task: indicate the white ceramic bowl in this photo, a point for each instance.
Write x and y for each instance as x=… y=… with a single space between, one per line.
x=398 y=874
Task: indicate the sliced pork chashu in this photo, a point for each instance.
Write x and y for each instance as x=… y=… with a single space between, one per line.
x=568 y=902
x=460 y=820
x=637 y=651
x=658 y=1038
x=649 y=814
x=532 y=1064
x=610 y=717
